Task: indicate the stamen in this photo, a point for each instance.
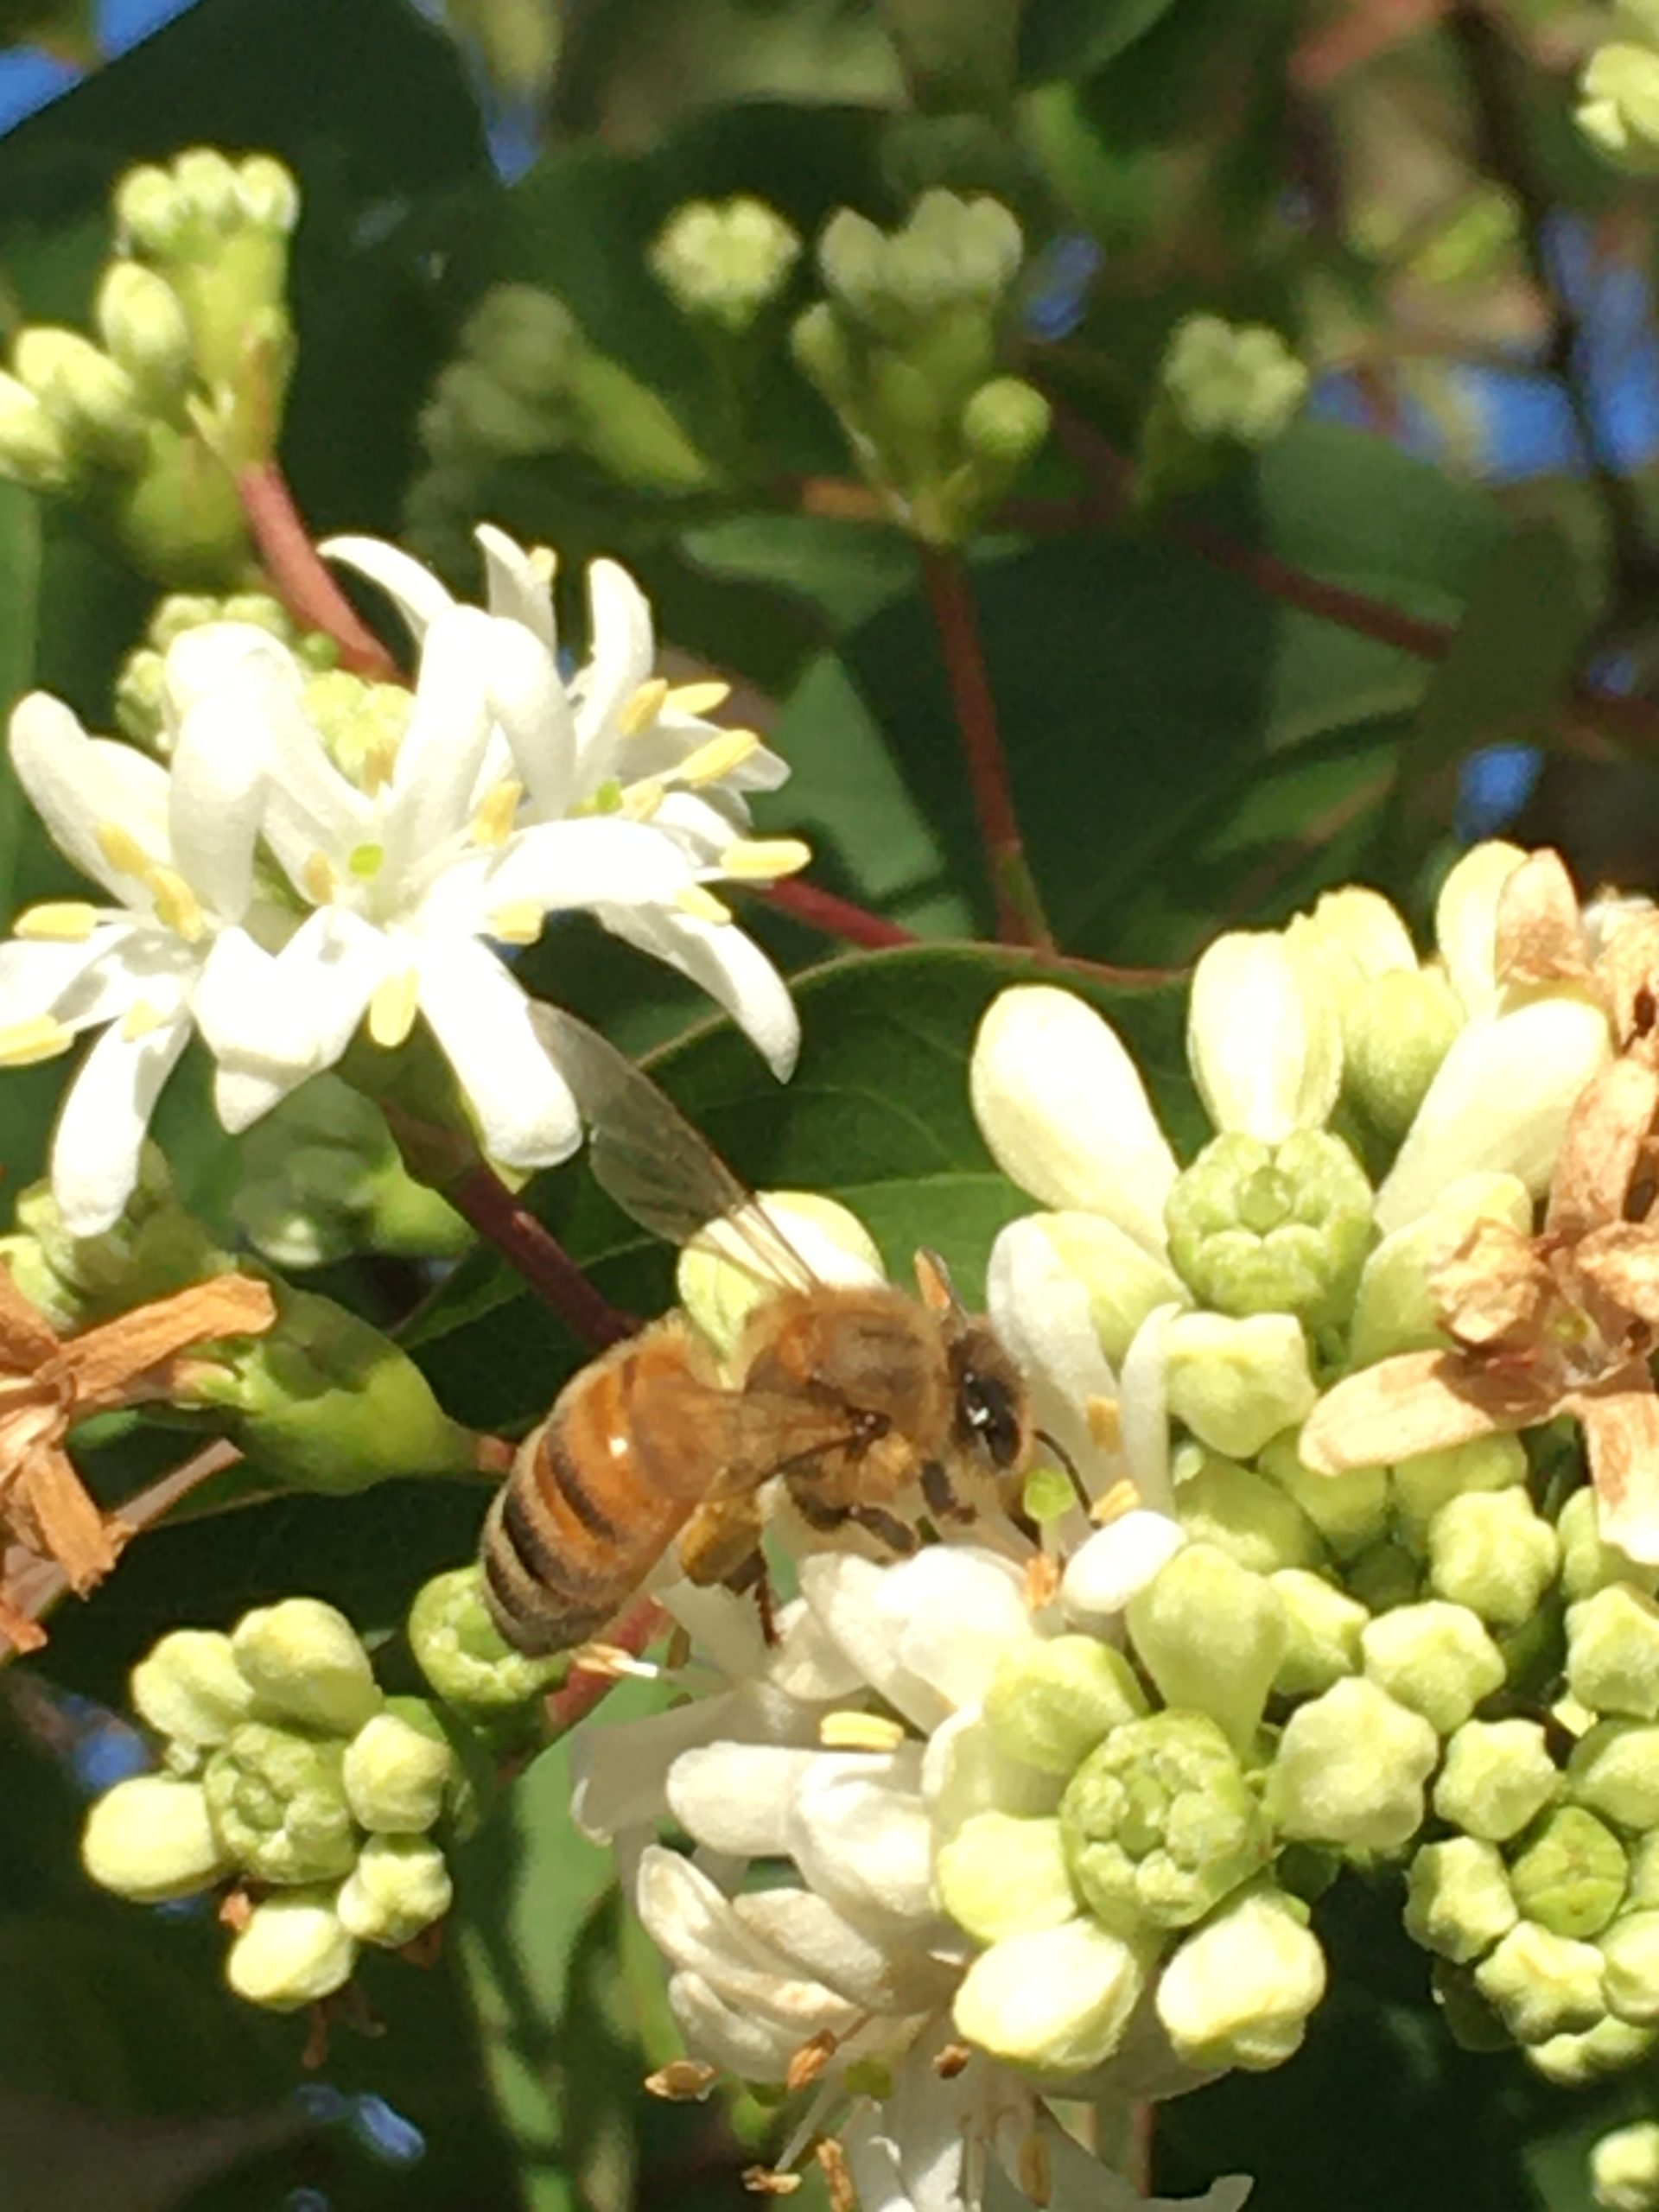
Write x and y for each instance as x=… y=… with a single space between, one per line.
x=1036 y=2170
x=1042 y=1583
x=392 y=1008
x=519 y=922
x=697 y=699
x=762 y=859
x=378 y=763
x=122 y=849
x=683 y=2080
x=365 y=861
x=57 y=921
x=641 y=801
x=176 y=904
x=837 y=2180
x=765 y=2181
x=718 y=757
x=642 y=711
x=949 y=2062
x=612 y=1661
x=39 y=1038
x=604 y=799
x=1121 y=1498
x=493 y=823
x=317 y=879
x=809 y=2062
x=859 y=1731
x=701 y=906
x=1104 y=1425
x=139 y=1020
x=679 y=1648
x=543 y=564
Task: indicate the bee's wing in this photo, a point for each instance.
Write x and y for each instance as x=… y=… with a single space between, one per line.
x=659 y=1170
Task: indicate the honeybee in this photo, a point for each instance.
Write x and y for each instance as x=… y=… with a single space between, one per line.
x=849 y=1395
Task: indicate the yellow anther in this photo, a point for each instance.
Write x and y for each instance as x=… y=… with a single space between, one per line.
x=641 y=800
x=1104 y=1424
x=318 y=879
x=859 y=1731
x=391 y=1010
x=642 y=711
x=701 y=906
x=492 y=821
x=39 y=1038
x=543 y=564
x=122 y=849
x=718 y=757
x=140 y=1019
x=176 y=904
x=697 y=698
x=59 y=921
x=365 y=861
x=763 y=860
x=1121 y=1498
x=519 y=922
x=378 y=763
x=1036 y=2172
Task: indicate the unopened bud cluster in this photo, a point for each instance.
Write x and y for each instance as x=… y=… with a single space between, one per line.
x=1222 y=386
x=1619 y=90
x=723 y=262
x=288 y=1775
x=148 y=423
x=141 y=702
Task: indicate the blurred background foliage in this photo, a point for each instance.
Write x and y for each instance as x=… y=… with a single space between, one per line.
x=1428 y=609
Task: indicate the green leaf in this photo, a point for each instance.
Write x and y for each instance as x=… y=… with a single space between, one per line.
x=1064 y=38
x=878 y=1114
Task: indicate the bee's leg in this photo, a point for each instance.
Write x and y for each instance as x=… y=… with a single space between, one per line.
x=719 y=1539
x=752 y=1574
x=897 y=1535
x=942 y=1499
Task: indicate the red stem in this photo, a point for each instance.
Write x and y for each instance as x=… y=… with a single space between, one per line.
x=531 y=1247
x=822 y=910
x=950 y=595
x=301 y=576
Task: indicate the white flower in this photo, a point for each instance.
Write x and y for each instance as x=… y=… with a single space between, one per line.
x=1264 y=1041
x=175 y=851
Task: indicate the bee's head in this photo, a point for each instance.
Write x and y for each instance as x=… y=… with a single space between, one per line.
x=992 y=1416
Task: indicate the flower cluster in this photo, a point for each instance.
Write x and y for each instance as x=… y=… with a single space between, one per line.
x=286 y=1771
x=320 y=853
x=1054 y=1795
x=1618 y=104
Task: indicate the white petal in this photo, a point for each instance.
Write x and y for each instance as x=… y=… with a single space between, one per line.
x=1466 y=920
x=258 y=1015
x=1144 y=1410
x=818 y=1941
x=76 y=783
x=1117 y=1562
x=518 y=591
x=418 y=595
x=696 y=1928
x=217 y=794
x=723 y=1626
x=429 y=799
x=859 y=1835
x=480 y=1017
x=620 y=1774
x=725 y=963
x=530 y=703
x=596 y=860
x=1041 y=1311
x=964 y=1773
x=621 y=659
x=735 y=1797
x=217 y=656
x=35 y=973
x=137 y=960
x=1065 y=1112
x=1264 y=1043
x=728 y=2037
x=331 y=963
x=101 y=1128
x=955 y=1610
x=845 y=1594
x=807 y=1663
x=907 y=2153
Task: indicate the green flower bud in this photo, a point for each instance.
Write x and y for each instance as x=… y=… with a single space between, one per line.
x=306 y=1663
x=1239 y=1991
x=1423 y=1484
x=93 y=402
x=1396 y=1308
x=139 y=687
x=144 y=328
x=999 y=1875
x=1272 y=1228
x=1003 y=425
x=33 y=449
x=1396 y=1029
x=1237 y=1384
x=398 y=1769
x=189 y=1686
x=1352 y=934
x=1458 y=1900
x=361 y=725
x=1056 y=2000
x=722 y=260
x=824 y=356
x=526 y=338
x=1470 y=2021
x=624 y=428
x=1159 y=1823
x=1490 y=1550
x=1589 y=1565
x=1612 y=1652
x=1384 y=1576
x=399 y=1886
x=1323 y=1625
x=1542 y=1984
x=1236 y=382
x=1349 y=1769
x=460 y=1650
x=328 y=1403
x=1614 y=1772
x=1350 y=1510
x=1570 y=1877
x=471 y=420
x=1624 y=2163
x=1211 y=1635
x=1498 y=1775
x=1435 y=1658
x=1574 y=2062
x=1644 y=1871
x=292 y=1952
x=1631 y=1977
x=277 y=1803
x=1051 y=1702
x=1618 y=111
x=1244 y=1514
x=151 y=1838
x=269 y=195
x=1125 y=1283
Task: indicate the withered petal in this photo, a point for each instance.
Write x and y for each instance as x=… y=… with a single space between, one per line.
x=1540 y=936
x=109 y=1364
x=1622 y=1263
x=1493 y=1285
x=26 y=1336
x=59 y=1517
x=1602 y=1148
x=1620 y=1418
x=1420 y=1401
x=1629 y=969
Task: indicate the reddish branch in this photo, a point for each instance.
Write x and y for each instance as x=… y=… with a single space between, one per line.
x=301 y=577
x=531 y=1247
x=585 y=1686
x=822 y=910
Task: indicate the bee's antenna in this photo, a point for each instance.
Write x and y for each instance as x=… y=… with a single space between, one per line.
x=1067 y=1462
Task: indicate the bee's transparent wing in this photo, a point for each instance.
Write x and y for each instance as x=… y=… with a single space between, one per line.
x=660 y=1170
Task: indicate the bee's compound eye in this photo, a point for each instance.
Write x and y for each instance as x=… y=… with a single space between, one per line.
x=987 y=1410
